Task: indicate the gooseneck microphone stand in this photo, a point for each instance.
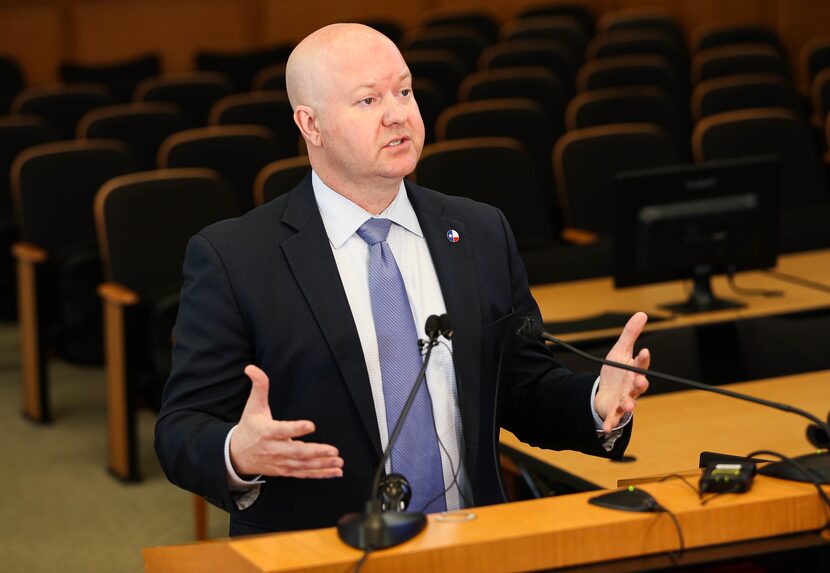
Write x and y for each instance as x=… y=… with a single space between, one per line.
x=375 y=528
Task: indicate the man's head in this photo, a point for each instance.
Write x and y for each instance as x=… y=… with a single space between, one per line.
x=352 y=97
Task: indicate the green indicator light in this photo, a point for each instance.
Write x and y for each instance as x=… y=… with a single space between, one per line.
x=631 y=488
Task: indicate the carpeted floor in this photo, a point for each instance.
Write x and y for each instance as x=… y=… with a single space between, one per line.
x=59 y=508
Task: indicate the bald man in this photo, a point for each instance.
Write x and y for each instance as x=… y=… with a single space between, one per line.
x=286 y=372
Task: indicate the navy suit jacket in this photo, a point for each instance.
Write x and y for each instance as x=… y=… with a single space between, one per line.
x=264 y=289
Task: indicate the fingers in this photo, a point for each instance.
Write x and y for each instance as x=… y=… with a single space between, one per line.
x=302 y=460
x=285 y=430
x=632 y=330
x=258 y=399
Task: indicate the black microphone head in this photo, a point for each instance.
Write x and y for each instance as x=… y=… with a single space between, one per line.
x=432 y=327
x=394 y=493
x=445 y=325
x=818 y=437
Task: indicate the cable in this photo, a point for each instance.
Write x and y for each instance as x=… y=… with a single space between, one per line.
x=730 y=274
x=660 y=509
x=683 y=479
x=359 y=565
x=797 y=280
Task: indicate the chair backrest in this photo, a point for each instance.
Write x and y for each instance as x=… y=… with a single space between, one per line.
x=270 y=78
x=466 y=43
x=119 y=77
x=621 y=71
x=431 y=102
x=550 y=54
x=242 y=67
x=237 y=152
x=566 y=30
x=269 y=109
x=482 y=22
x=144 y=221
x=194 y=92
x=737 y=59
x=718 y=34
x=280 y=177
x=579 y=11
x=11 y=82
x=497 y=171
x=644 y=19
x=521 y=119
x=17 y=133
x=54 y=186
x=814 y=58
x=765 y=131
x=62 y=105
x=442 y=67
x=821 y=93
x=143 y=126
x=644 y=104
x=586 y=162
x=628 y=42
x=743 y=91
x=530 y=82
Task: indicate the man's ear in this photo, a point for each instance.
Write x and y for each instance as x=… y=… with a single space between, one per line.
x=306 y=119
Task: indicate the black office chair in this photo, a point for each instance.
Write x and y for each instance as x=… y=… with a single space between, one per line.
x=120 y=77
x=11 y=82
x=738 y=59
x=269 y=109
x=530 y=82
x=466 y=43
x=242 y=67
x=194 y=92
x=143 y=126
x=58 y=267
x=17 y=133
x=550 y=54
x=270 y=78
x=482 y=22
x=62 y=105
x=237 y=152
x=586 y=162
x=744 y=91
x=644 y=104
x=280 y=177
x=501 y=172
x=144 y=221
x=566 y=30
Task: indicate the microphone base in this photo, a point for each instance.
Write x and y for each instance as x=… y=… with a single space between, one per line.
x=379 y=530
x=817 y=464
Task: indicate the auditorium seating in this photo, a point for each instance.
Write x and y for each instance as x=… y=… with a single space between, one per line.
x=241 y=67
x=144 y=221
x=550 y=54
x=478 y=20
x=269 y=109
x=194 y=92
x=627 y=42
x=466 y=43
x=62 y=105
x=564 y=29
x=821 y=94
x=120 y=78
x=815 y=58
x=738 y=59
x=639 y=70
x=11 y=82
x=269 y=78
x=744 y=91
x=431 y=102
x=580 y=12
x=143 y=126
x=279 y=177
x=717 y=35
x=442 y=67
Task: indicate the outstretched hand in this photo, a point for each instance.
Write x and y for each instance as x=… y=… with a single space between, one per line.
x=261 y=445
x=619 y=389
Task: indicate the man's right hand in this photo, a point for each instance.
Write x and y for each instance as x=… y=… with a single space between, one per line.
x=261 y=445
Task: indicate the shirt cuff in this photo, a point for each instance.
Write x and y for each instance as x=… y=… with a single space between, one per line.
x=612 y=436
x=236 y=483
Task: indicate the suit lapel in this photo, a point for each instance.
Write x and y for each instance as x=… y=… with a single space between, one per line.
x=309 y=255
x=456 y=274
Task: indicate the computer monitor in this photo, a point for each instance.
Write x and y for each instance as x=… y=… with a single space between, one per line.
x=693 y=221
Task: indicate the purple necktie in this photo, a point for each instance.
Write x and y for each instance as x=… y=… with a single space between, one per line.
x=416 y=454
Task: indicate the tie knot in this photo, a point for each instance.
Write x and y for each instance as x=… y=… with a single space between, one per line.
x=374 y=230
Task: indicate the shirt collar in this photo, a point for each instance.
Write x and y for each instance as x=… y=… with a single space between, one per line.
x=342 y=218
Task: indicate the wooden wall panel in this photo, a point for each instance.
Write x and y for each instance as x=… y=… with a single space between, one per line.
x=34 y=35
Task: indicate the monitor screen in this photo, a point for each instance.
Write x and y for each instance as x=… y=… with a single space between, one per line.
x=693 y=221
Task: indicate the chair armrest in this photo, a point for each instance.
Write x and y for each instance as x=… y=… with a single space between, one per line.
x=117 y=294
x=29 y=253
x=579 y=237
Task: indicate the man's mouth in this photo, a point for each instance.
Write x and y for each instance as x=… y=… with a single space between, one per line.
x=396 y=142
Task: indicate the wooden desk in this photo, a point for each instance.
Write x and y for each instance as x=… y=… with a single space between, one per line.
x=670 y=430
x=540 y=534
x=580 y=299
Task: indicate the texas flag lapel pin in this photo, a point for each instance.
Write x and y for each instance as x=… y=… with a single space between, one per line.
x=453 y=236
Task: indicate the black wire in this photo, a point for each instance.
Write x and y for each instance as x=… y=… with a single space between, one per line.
x=359 y=565
x=660 y=509
x=797 y=280
x=730 y=274
x=683 y=479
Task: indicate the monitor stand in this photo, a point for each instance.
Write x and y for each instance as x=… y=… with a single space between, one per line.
x=702 y=298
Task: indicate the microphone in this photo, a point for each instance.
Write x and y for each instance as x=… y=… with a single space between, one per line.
x=376 y=528
x=818 y=432
x=445 y=326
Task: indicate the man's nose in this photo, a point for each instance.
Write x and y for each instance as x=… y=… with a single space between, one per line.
x=394 y=112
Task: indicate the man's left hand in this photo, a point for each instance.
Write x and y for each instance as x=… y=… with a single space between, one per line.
x=619 y=389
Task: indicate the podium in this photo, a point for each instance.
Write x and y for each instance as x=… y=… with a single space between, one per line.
x=549 y=533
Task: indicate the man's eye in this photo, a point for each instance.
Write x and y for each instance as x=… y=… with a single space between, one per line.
x=368 y=100
x=406 y=91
